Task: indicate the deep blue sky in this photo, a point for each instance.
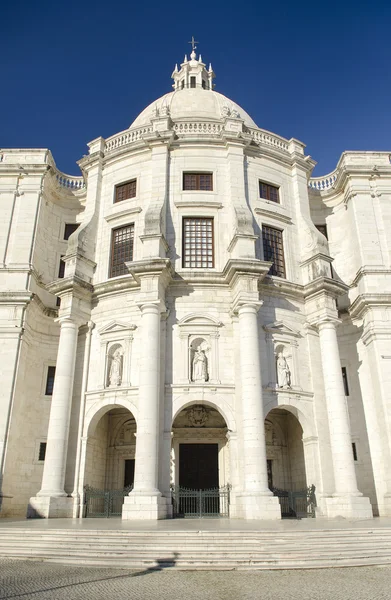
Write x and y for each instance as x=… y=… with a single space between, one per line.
x=71 y=71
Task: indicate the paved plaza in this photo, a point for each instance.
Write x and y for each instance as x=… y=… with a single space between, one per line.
x=44 y=581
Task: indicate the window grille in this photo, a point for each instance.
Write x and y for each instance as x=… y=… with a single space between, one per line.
x=198 y=243
x=273 y=250
x=269 y=192
x=198 y=182
x=125 y=191
x=121 y=249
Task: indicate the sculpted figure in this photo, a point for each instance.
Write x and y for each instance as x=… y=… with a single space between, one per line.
x=199 y=365
x=115 y=375
x=283 y=372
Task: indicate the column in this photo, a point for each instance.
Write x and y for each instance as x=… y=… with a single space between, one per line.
x=51 y=500
x=347 y=501
x=145 y=500
x=256 y=501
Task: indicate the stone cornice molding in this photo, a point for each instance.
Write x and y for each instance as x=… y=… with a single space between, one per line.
x=22 y=298
x=273 y=214
x=365 y=302
x=150 y=266
x=123 y=213
x=198 y=203
x=322 y=285
x=369 y=270
x=74 y=285
x=317 y=256
x=124 y=283
x=279 y=327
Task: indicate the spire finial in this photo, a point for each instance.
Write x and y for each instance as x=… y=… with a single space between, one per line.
x=193 y=43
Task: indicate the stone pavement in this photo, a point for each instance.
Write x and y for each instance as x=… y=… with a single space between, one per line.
x=43 y=581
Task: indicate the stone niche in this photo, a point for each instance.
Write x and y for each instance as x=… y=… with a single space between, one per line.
x=115 y=354
x=199 y=359
x=282 y=348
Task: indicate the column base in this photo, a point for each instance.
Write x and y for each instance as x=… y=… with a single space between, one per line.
x=348 y=507
x=140 y=506
x=257 y=506
x=50 y=507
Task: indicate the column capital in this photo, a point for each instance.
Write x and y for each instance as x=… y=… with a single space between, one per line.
x=243 y=305
x=70 y=321
x=151 y=307
x=327 y=322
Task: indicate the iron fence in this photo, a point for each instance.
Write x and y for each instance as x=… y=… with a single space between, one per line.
x=104 y=503
x=190 y=503
x=301 y=503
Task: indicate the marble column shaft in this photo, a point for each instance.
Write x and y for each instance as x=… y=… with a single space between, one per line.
x=58 y=431
x=146 y=465
x=254 y=443
x=340 y=438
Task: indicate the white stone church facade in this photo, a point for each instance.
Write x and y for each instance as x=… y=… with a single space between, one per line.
x=195 y=310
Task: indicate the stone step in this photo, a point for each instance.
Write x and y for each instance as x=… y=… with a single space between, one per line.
x=200 y=549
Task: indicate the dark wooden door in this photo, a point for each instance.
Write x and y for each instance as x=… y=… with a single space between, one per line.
x=129 y=472
x=198 y=466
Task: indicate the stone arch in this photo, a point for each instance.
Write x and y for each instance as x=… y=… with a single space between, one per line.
x=182 y=402
x=285 y=452
x=99 y=409
x=305 y=417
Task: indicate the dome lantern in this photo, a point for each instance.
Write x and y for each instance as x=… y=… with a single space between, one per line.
x=193 y=73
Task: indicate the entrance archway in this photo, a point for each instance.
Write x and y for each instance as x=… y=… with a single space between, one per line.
x=284 y=451
x=286 y=463
x=200 y=461
x=109 y=462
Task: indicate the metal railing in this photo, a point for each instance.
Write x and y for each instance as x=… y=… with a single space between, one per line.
x=104 y=503
x=299 y=504
x=190 y=503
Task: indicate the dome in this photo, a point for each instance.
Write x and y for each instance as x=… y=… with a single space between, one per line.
x=192 y=103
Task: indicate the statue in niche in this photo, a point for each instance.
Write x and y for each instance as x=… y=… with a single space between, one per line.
x=197 y=416
x=283 y=372
x=115 y=374
x=200 y=370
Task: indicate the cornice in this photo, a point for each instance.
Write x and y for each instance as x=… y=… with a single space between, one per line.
x=364 y=302
x=70 y=284
x=123 y=213
x=114 y=286
x=273 y=214
x=369 y=270
x=326 y=285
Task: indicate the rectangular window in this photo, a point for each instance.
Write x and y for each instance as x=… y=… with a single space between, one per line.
x=345 y=381
x=42 y=451
x=322 y=229
x=354 y=450
x=50 y=381
x=69 y=229
x=269 y=192
x=61 y=269
x=125 y=191
x=198 y=181
x=273 y=250
x=192 y=82
x=198 y=243
x=121 y=249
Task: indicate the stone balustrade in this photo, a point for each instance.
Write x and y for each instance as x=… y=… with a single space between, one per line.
x=264 y=137
x=206 y=127
x=323 y=183
x=126 y=137
x=69 y=182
